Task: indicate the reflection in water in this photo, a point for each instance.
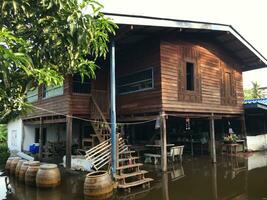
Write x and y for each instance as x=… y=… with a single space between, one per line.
x=233 y=177
x=214 y=181
x=165 y=189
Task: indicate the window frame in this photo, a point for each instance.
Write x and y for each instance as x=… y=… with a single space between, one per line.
x=193 y=80
x=81 y=93
x=140 y=90
x=44 y=92
x=34 y=93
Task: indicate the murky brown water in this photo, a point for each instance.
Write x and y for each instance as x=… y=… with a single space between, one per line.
x=234 y=178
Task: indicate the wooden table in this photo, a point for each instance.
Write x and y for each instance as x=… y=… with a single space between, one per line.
x=231 y=147
x=155 y=156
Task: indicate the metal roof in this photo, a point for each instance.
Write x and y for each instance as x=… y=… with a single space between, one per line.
x=256 y=104
x=223 y=35
x=253 y=101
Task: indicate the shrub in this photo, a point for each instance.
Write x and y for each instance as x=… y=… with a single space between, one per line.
x=3 y=133
x=4 y=154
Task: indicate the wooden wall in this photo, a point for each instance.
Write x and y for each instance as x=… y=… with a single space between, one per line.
x=133 y=58
x=210 y=84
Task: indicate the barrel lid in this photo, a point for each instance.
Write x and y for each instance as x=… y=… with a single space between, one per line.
x=48 y=166
x=34 y=163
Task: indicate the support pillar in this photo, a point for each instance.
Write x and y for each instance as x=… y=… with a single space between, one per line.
x=113 y=110
x=244 y=130
x=212 y=139
x=68 y=142
x=163 y=138
x=41 y=139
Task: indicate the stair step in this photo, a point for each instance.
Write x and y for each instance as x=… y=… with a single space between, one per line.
x=126 y=159
x=135 y=183
x=130 y=166
x=131 y=174
x=127 y=152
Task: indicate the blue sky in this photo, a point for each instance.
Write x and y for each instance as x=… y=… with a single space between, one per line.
x=248 y=17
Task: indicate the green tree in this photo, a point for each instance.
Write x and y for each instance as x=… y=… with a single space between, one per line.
x=255 y=90
x=42 y=41
x=247 y=94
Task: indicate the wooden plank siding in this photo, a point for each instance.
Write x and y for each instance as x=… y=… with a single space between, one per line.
x=135 y=58
x=210 y=75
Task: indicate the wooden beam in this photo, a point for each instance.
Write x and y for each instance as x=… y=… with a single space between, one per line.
x=163 y=139
x=68 y=142
x=46 y=121
x=41 y=139
x=212 y=139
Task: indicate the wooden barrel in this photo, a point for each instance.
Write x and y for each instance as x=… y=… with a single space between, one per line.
x=48 y=176
x=18 y=168
x=30 y=175
x=23 y=170
x=8 y=163
x=13 y=165
x=98 y=185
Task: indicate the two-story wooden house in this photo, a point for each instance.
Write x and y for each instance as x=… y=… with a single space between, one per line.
x=189 y=71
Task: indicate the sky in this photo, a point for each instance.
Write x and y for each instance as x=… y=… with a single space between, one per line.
x=248 y=17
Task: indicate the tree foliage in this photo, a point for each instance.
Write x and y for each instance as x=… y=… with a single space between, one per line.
x=42 y=41
x=256 y=91
x=3 y=133
x=253 y=93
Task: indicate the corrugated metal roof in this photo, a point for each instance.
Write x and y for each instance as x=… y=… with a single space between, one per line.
x=224 y=35
x=255 y=101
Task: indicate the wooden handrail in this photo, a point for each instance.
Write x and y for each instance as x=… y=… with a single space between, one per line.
x=101 y=114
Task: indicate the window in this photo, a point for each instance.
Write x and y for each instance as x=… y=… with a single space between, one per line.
x=32 y=95
x=52 y=91
x=139 y=81
x=79 y=86
x=190 y=76
x=228 y=83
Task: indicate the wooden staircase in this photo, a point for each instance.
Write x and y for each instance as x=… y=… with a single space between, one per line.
x=128 y=173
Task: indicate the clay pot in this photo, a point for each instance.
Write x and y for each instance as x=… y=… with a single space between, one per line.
x=23 y=170
x=48 y=176
x=30 y=175
x=98 y=185
x=8 y=163
x=18 y=168
x=13 y=165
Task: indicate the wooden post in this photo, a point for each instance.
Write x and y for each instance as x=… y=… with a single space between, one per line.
x=212 y=139
x=41 y=139
x=68 y=142
x=163 y=142
x=244 y=130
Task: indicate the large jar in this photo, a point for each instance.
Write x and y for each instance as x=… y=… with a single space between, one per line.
x=8 y=163
x=98 y=185
x=48 y=176
x=13 y=165
x=18 y=167
x=30 y=175
x=23 y=170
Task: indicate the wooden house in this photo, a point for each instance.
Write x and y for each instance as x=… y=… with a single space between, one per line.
x=189 y=73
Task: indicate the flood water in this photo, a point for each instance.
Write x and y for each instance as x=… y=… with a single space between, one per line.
x=238 y=178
